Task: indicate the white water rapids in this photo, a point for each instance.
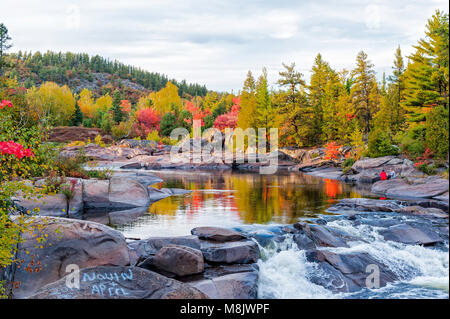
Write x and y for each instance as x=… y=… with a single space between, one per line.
x=285 y=272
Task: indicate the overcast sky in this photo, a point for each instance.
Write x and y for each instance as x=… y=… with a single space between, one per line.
x=216 y=42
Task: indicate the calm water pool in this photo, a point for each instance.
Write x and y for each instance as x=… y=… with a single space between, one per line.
x=230 y=199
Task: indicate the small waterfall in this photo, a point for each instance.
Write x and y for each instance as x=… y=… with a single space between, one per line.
x=283 y=272
x=423 y=271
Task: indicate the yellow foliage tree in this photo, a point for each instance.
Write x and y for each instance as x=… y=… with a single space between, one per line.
x=165 y=99
x=51 y=102
x=86 y=103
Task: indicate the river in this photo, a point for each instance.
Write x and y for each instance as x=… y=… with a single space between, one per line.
x=250 y=201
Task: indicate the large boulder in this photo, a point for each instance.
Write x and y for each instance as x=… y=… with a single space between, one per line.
x=418 y=188
x=145 y=248
x=96 y=193
x=119 y=192
x=241 y=252
x=217 y=234
x=67 y=241
x=408 y=234
x=126 y=192
x=179 y=260
x=233 y=286
x=320 y=235
x=355 y=266
x=119 y=283
x=368 y=170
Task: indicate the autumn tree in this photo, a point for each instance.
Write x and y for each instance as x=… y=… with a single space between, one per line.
x=246 y=117
x=51 y=103
x=164 y=100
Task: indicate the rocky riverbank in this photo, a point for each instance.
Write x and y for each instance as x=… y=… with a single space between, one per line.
x=216 y=262
x=222 y=263
x=211 y=263
x=409 y=182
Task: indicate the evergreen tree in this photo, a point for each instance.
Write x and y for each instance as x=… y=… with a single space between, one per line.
x=364 y=91
x=427 y=74
x=296 y=113
x=117 y=111
x=167 y=124
x=264 y=110
x=4 y=44
x=77 y=117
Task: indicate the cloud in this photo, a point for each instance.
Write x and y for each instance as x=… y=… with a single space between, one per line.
x=216 y=42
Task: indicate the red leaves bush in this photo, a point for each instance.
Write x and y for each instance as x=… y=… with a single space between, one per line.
x=146 y=121
x=16 y=149
x=228 y=119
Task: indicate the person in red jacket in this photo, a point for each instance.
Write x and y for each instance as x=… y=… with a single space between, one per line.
x=383 y=175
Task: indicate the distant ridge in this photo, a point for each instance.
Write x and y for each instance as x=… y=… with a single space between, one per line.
x=79 y=70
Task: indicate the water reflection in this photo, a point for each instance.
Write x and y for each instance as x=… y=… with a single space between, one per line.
x=229 y=199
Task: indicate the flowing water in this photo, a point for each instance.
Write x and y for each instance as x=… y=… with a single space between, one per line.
x=250 y=201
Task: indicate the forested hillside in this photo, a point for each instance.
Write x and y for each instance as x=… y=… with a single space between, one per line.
x=79 y=71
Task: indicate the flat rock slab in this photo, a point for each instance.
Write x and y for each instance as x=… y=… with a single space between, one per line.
x=120 y=283
x=422 y=211
x=408 y=234
x=237 y=252
x=179 y=260
x=69 y=241
x=217 y=234
x=233 y=286
x=367 y=205
x=55 y=204
x=371 y=163
x=146 y=247
x=421 y=188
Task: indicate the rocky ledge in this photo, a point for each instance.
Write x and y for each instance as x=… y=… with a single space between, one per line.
x=121 y=199
x=188 y=267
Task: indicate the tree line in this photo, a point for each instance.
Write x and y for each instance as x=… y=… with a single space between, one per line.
x=408 y=108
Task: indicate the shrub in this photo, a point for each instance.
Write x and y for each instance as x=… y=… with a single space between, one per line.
x=168 y=123
x=331 y=151
x=146 y=121
x=425 y=168
x=99 y=142
x=348 y=162
x=71 y=166
x=105 y=173
x=412 y=142
x=87 y=122
x=436 y=136
x=380 y=144
x=153 y=136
